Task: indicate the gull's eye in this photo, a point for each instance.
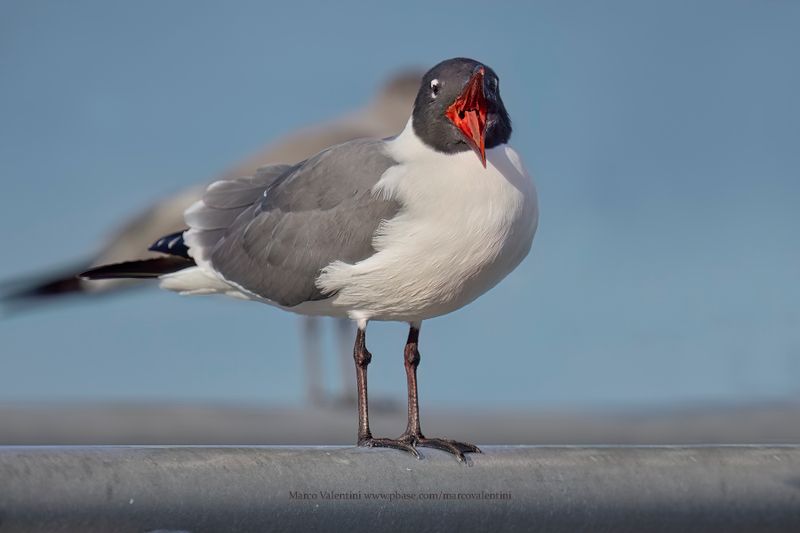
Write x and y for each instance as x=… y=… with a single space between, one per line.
x=434 y=88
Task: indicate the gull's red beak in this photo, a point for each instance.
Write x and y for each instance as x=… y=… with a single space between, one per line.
x=468 y=113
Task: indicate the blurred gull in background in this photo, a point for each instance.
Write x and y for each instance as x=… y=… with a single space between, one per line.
x=384 y=116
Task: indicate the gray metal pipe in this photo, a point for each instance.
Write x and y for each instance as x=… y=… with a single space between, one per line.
x=525 y=488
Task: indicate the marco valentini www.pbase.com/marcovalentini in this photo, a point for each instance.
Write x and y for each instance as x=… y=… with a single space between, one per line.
x=330 y=495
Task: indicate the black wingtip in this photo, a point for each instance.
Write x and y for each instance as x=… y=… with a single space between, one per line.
x=172 y=244
x=144 y=269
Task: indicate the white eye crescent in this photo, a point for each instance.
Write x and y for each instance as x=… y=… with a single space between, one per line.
x=435 y=87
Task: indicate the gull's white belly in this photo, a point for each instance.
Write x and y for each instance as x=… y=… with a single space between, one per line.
x=462 y=229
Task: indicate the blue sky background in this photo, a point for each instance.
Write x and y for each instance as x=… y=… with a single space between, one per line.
x=664 y=138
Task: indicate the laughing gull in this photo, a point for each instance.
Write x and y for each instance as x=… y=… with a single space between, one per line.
x=385 y=115
x=401 y=229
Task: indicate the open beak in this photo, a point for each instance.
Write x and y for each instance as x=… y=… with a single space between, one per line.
x=468 y=113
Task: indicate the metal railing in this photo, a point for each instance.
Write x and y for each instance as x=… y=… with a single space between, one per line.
x=519 y=488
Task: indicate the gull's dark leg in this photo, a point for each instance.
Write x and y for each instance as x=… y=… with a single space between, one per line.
x=413 y=434
x=411 y=359
x=362 y=358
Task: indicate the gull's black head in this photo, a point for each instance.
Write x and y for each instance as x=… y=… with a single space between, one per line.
x=458 y=108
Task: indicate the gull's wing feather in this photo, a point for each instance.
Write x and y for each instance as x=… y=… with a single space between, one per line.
x=314 y=213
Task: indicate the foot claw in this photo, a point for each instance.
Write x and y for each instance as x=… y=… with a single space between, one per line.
x=409 y=443
x=451 y=446
x=397 y=444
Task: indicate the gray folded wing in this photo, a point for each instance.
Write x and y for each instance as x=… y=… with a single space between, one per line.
x=272 y=234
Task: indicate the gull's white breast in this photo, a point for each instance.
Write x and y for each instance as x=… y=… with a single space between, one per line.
x=461 y=230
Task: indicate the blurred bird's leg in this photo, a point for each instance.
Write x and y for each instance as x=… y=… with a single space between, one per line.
x=362 y=359
x=343 y=331
x=311 y=355
x=413 y=433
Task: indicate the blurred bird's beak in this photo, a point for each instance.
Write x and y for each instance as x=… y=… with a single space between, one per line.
x=468 y=113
